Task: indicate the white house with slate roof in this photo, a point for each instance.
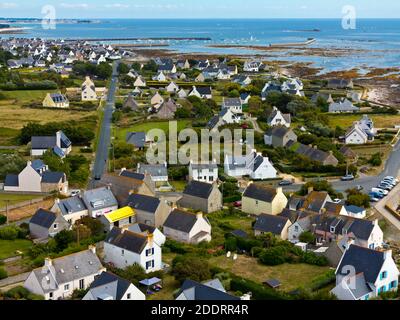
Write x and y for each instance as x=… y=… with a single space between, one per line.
x=201 y=196
x=158 y=172
x=59 y=144
x=44 y=224
x=277 y=118
x=140 y=82
x=201 y=92
x=100 y=201
x=55 y=100
x=343 y=106
x=72 y=209
x=124 y=248
x=88 y=90
x=108 y=286
x=364 y=273
x=187 y=227
x=233 y=104
x=58 y=278
x=203 y=172
x=145 y=229
x=253 y=165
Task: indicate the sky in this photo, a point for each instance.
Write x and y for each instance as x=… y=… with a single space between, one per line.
x=183 y=9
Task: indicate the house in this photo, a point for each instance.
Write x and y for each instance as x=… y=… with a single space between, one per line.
x=201 y=196
x=99 y=201
x=201 y=92
x=149 y=210
x=60 y=277
x=72 y=209
x=203 y=172
x=130 y=104
x=168 y=68
x=210 y=290
x=44 y=224
x=316 y=201
x=233 y=104
x=355 y=135
x=59 y=144
x=277 y=118
x=300 y=223
x=140 y=82
x=356 y=212
x=108 y=286
x=343 y=106
x=167 y=110
x=55 y=100
x=158 y=172
x=262 y=199
x=251 y=66
x=36 y=177
x=348 y=153
x=245 y=97
x=160 y=77
x=200 y=78
x=124 y=248
x=279 y=136
x=182 y=94
x=365 y=273
x=293 y=86
x=340 y=84
x=253 y=165
x=145 y=229
x=172 y=87
x=128 y=182
x=119 y=218
x=157 y=99
x=88 y=90
x=242 y=80
x=137 y=139
x=187 y=227
x=268 y=223
x=314 y=154
x=226 y=116
x=268 y=88
x=324 y=97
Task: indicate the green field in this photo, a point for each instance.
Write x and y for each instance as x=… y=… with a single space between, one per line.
x=15 y=198
x=147 y=126
x=9 y=248
x=380 y=120
x=27 y=95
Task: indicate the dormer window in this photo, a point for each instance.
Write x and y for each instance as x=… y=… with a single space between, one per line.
x=332 y=230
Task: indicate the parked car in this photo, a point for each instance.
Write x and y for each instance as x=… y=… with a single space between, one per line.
x=285 y=183
x=392 y=178
x=348 y=177
x=385 y=186
x=74 y=193
x=237 y=204
x=391 y=182
x=380 y=191
x=359 y=188
x=373 y=199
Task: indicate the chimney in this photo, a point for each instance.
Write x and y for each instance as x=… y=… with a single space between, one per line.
x=375 y=222
x=48 y=262
x=199 y=215
x=279 y=190
x=310 y=189
x=387 y=254
x=315 y=147
x=150 y=238
x=124 y=228
x=29 y=163
x=58 y=139
x=92 y=249
x=122 y=170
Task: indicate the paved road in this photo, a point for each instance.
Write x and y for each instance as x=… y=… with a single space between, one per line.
x=14 y=280
x=392 y=168
x=100 y=164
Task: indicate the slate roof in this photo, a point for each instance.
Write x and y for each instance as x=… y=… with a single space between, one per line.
x=204 y=90
x=138 y=139
x=361 y=228
x=133 y=175
x=71 y=267
x=127 y=240
x=156 y=170
x=43 y=142
x=260 y=192
x=198 y=189
x=270 y=223
x=52 y=177
x=110 y=284
x=197 y=291
x=278 y=131
x=364 y=260
x=142 y=202
x=312 y=153
x=181 y=220
x=99 y=198
x=11 y=180
x=213 y=122
x=232 y=102
x=71 y=205
x=43 y=218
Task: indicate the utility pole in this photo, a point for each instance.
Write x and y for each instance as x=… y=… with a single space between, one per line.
x=7 y=201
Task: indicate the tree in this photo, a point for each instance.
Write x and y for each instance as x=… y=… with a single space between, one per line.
x=63 y=239
x=95 y=226
x=307 y=237
x=375 y=160
x=190 y=267
x=104 y=70
x=356 y=198
x=123 y=68
x=123 y=149
x=273 y=256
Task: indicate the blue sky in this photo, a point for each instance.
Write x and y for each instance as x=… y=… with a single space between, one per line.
x=201 y=8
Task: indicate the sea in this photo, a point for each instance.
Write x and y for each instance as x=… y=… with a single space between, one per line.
x=378 y=39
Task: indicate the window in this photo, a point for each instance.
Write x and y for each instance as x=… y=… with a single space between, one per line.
x=82 y=284
x=393 y=285
x=149 y=252
x=332 y=229
x=366 y=297
x=383 y=275
x=296 y=228
x=66 y=287
x=149 y=264
x=55 y=226
x=122 y=252
x=128 y=296
x=51 y=295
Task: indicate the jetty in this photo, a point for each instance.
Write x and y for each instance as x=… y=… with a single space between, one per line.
x=142 y=39
x=294 y=44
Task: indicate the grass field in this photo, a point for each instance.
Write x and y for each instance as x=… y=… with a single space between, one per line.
x=147 y=126
x=8 y=248
x=291 y=276
x=15 y=198
x=380 y=120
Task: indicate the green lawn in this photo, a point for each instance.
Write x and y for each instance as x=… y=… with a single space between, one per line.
x=178 y=185
x=147 y=126
x=27 y=95
x=15 y=198
x=292 y=276
x=8 y=248
x=380 y=120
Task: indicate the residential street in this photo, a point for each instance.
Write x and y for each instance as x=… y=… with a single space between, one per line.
x=100 y=164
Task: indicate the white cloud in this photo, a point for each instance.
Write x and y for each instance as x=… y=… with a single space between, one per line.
x=8 y=5
x=74 y=5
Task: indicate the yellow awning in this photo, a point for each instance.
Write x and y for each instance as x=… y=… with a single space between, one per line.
x=120 y=214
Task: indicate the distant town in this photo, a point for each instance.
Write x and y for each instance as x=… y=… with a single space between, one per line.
x=309 y=211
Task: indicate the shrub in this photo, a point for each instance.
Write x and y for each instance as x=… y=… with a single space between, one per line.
x=3 y=273
x=259 y=292
x=175 y=247
x=312 y=258
x=190 y=267
x=20 y=292
x=3 y=219
x=273 y=256
x=307 y=237
x=9 y=233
